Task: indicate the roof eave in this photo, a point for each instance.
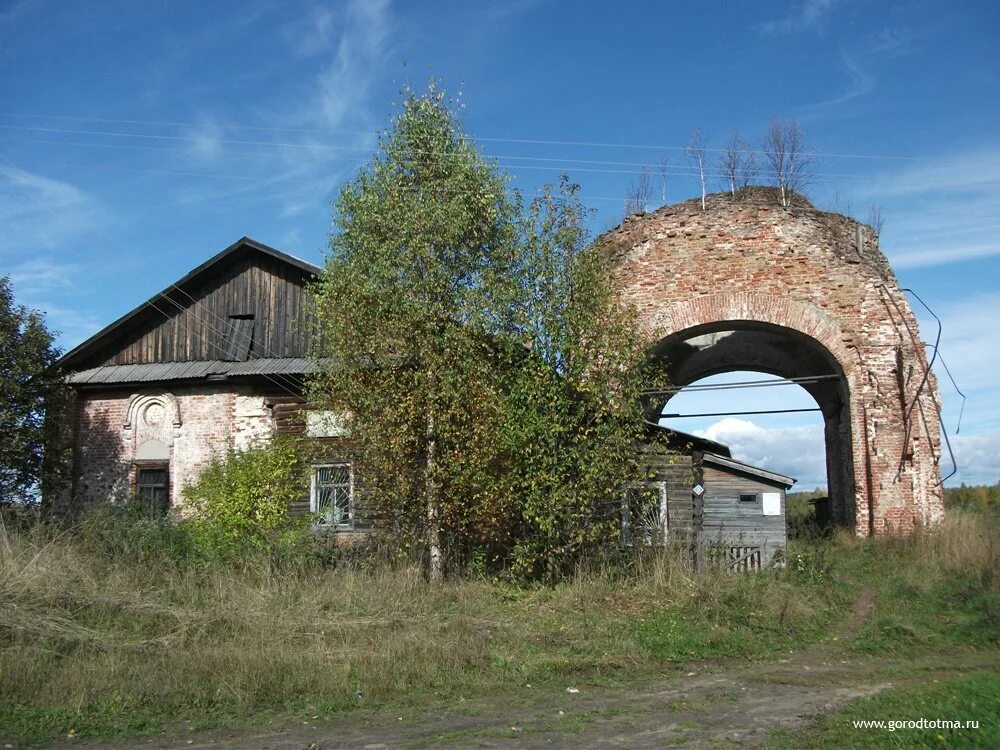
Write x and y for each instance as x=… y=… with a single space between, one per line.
x=765 y=474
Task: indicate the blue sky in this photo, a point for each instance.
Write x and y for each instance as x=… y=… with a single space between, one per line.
x=139 y=138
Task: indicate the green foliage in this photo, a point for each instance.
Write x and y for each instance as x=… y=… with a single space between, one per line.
x=28 y=381
x=971 y=697
x=240 y=503
x=408 y=315
x=122 y=644
x=490 y=375
x=128 y=533
x=574 y=402
x=985 y=497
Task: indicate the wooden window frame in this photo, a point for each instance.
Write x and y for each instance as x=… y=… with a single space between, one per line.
x=151 y=464
x=755 y=495
x=314 y=470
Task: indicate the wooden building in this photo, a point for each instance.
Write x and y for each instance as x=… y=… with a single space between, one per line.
x=726 y=512
x=214 y=361
x=217 y=360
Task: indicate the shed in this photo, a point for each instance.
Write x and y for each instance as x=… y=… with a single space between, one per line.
x=696 y=496
x=742 y=511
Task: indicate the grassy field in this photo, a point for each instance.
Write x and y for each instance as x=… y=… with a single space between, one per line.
x=99 y=645
x=975 y=697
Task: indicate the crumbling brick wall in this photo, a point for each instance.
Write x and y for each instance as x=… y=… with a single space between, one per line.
x=820 y=274
x=196 y=423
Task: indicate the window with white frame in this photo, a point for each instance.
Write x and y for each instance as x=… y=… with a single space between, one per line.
x=332 y=495
x=644 y=513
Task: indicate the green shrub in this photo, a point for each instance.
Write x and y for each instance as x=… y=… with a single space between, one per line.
x=240 y=503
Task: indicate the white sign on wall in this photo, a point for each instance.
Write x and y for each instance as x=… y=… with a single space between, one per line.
x=771 y=503
x=327 y=424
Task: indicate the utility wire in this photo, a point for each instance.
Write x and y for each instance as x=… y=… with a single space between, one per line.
x=488 y=139
x=738 y=413
x=805 y=380
x=710 y=172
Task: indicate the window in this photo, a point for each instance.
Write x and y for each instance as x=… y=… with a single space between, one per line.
x=152 y=487
x=644 y=513
x=748 y=498
x=332 y=497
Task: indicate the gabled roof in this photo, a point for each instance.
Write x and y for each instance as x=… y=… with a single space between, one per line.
x=242 y=245
x=764 y=474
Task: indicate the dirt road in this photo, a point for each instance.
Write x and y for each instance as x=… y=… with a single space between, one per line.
x=709 y=707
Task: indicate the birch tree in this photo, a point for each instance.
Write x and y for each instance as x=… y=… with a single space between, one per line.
x=695 y=152
x=491 y=376
x=789 y=158
x=406 y=321
x=639 y=193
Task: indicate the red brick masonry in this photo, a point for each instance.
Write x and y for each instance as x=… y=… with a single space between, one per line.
x=755 y=262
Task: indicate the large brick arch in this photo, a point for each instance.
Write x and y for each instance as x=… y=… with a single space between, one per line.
x=809 y=281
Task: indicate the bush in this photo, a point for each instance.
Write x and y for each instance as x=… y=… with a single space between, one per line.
x=240 y=503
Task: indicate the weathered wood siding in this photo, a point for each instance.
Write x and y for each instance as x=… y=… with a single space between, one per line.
x=676 y=471
x=193 y=323
x=729 y=521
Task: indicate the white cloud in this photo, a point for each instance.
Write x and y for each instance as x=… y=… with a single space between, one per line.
x=943 y=254
x=35 y=277
x=346 y=82
x=978 y=458
x=810 y=15
x=206 y=142
x=939 y=210
x=40 y=212
x=312 y=33
x=795 y=451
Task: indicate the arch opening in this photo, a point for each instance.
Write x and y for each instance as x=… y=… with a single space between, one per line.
x=753 y=348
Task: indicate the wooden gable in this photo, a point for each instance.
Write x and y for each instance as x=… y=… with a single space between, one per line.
x=248 y=302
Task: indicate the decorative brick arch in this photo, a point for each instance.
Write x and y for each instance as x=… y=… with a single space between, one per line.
x=820 y=280
x=757 y=308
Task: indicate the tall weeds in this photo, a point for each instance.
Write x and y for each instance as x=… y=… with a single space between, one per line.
x=90 y=623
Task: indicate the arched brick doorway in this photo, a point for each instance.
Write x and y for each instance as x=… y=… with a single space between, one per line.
x=756 y=346
x=795 y=288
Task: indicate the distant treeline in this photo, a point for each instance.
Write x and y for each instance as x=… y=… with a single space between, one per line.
x=972 y=497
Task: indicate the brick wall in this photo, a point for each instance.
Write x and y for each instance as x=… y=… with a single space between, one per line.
x=758 y=263
x=197 y=424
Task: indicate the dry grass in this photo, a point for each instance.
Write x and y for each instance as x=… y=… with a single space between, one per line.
x=87 y=634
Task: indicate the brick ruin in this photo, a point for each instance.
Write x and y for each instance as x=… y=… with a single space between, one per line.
x=746 y=284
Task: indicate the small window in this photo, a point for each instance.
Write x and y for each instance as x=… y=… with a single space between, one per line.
x=748 y=498
x=644 y=513
x=152 y=487
x=332 y=497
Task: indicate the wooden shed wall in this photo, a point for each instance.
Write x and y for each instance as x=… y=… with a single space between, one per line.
x=726 y=519
x=192 y=324
x=676 y=471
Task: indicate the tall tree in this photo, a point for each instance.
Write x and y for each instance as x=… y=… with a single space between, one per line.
x=408 y=304
x=737 y=164
x=695 y=152
x=575 y=402
x=789 y=157
x=639 y=193
x=27 y=381
x=477 y=345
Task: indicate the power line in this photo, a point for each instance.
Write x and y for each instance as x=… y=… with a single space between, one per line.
x=737 y=413
x=804 y=380
x=686 y=172
x=489 y=139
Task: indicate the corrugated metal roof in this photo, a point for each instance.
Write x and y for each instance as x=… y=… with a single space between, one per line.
x=731 y=463
x=159 y=371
